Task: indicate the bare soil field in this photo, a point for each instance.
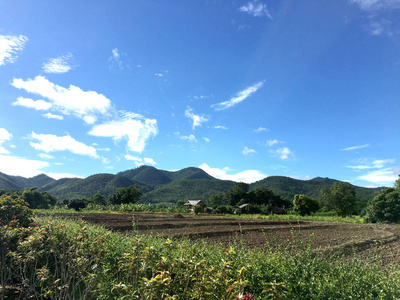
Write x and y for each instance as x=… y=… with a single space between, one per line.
x=381 y=242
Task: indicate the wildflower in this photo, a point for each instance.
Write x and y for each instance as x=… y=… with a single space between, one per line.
x=30 y=224
x=227 y=250
x=98 y=240
x=40 y=275
x=161 y=265
x=81 y=236
x=14 y=216
x=37 y=224
x=9 y=224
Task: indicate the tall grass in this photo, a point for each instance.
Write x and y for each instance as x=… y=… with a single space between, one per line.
x=292 y=217
x=66 y=259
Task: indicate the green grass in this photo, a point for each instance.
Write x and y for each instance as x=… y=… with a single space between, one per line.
x=67 y=259
x=290 y=217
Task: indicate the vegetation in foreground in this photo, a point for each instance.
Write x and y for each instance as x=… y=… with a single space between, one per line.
x=65 y=259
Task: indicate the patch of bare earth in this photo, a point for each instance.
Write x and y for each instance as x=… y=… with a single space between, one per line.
x=380 y=242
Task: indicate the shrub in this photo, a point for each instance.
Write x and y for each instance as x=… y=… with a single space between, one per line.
x=14 y=211
x=304 y=205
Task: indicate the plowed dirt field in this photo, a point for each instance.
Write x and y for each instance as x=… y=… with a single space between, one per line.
x=382 y=241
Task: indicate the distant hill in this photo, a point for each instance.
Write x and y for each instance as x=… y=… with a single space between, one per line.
x=159 y=186
x=288 y=187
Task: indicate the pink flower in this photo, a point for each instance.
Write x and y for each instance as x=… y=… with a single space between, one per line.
x=161 y=265
x=9 y=224
x=14 y=216
x=227 y=250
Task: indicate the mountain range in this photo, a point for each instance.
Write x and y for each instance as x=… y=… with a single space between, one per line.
x=160 y=186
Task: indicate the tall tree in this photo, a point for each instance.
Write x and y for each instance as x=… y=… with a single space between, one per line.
x=385 y=206
x=304 y=205
x=340 y=198
x=237 y=193
x=126 y=195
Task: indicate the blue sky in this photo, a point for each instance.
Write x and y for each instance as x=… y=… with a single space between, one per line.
x=241 y=89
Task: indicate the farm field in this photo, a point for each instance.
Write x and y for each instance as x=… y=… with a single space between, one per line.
x=363 y=240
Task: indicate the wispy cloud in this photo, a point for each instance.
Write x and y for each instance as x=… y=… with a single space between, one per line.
x=375 y=164
x=134 y=128
x=271 y=143
x=378 y=171
x=247 y=176
x=4 y=136
x=247 y=151
x=197 y=120
x=51 y=143
x=256 y=9
x=87 y=105
x=207 y=140
x=117 y=59
x=242 y=95
x=260 y=129
x=191 y=138
x=139 y=161
x=10 y=46
x=52 y=116
x=283 y=153
x=355 y=147
x=381 y=16
x=58 y=65
x=30 y=103
x=46 y=156
x=373 y=5
x=221 y=127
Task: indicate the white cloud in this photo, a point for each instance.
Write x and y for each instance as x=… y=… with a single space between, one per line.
x=386 y=176
x=17 y=166
x=375 y=164
x=134 y=128
x=272 y=142
x=159 y=74
x=116 y=58
x=10 y=46
x=247 y=176
x=207 y=140
x=86 y=105
x=260 y=129
x=139 y=161
x=30 y=103
x=62 y=175
x=221 y=127
x=149 y=161
x=256 y=9
x=45 y=156
x=58 y=65
x=247 y=151
x=52 y=116
x=242 y=95
x=283 y=153
x=372 y=5
x=197 y=120
x=355 y=147
x=191 y=138
x=4 y=136
x=50 y=143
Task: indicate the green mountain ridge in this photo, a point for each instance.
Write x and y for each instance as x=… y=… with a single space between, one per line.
x=160 y=186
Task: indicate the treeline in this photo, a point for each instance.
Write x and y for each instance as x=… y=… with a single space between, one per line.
x=35 y=199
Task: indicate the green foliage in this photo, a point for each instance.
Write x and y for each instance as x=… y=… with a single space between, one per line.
x=340 y=198
x=215 y=200
x=37 y=199
x=385 y=206
x=237 y=193
x=63 y=259
x=14 y=212
x=126 y=195
x=304 y=205
x=76 y=204
x=98 y=199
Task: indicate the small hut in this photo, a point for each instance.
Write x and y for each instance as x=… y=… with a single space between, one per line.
x=191 y=204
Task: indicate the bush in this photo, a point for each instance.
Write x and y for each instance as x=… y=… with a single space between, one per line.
x=14 y=211
x=304 y=205
x=385 y=206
